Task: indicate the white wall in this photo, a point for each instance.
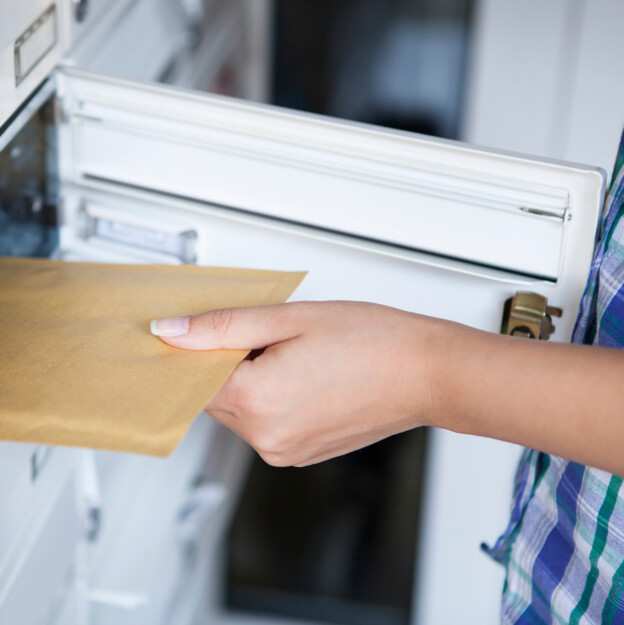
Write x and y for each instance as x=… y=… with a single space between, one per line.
x=544 y=78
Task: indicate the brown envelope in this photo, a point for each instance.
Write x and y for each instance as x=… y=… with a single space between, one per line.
x=78 y=365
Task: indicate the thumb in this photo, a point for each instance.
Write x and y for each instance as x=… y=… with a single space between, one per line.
x=230 y=328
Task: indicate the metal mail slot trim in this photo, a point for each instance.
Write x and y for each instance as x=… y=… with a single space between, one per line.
x=439 y=221
x=137 y=206
x=543 y=203
x=440 y=197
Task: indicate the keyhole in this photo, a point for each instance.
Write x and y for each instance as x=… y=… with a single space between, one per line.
x=523 y=331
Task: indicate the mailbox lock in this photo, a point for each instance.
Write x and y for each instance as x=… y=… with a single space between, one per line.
x=528 y=315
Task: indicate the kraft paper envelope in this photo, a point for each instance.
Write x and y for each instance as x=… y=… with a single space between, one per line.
x=78 y=365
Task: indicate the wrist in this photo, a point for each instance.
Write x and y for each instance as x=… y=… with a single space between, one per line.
x=428 y=376
x=450 y=365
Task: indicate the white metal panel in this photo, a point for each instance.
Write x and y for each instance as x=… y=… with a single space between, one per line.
x=15 y=469
x=14 y=22
x=135 y=564
x=113 y=47
x=93 y=13
x=26 y=498
x=221 y=49
x=226 y=39
x=36 y=571
x=436 y=196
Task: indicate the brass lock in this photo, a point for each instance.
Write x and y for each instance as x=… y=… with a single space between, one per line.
x=528 y=315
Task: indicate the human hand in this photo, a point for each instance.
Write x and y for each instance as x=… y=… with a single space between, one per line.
x=332 y=376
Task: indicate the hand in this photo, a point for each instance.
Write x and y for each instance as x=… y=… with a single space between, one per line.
x=332 y=376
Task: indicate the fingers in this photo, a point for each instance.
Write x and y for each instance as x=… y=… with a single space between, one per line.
x=231 y=328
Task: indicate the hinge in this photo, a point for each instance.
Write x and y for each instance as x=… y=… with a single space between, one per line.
x=528 y=315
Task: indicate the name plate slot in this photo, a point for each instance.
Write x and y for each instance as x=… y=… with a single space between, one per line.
x=34 y=44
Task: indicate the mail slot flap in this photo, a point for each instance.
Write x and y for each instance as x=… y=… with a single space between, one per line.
x=444 y=198
x=339 y=266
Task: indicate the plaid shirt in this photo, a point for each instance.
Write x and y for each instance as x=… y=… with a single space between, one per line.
x=564 y=546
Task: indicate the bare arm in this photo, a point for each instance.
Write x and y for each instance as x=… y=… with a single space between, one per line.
x=336 y=376
x=563 y=399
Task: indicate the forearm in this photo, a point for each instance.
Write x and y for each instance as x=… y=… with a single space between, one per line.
x=563 y=399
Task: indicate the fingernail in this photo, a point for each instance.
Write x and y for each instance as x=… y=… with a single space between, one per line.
x=176 y=326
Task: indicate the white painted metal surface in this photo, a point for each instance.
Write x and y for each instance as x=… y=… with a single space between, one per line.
x=16 y=19
x=111 y=45
x=418 y=193
x=39 y=532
